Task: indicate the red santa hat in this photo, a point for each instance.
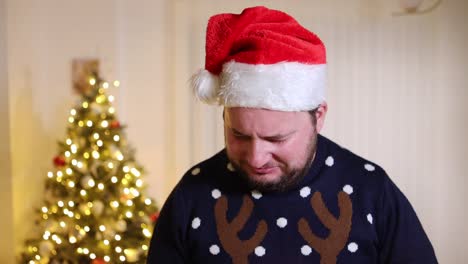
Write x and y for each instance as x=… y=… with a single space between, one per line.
x=261 y=58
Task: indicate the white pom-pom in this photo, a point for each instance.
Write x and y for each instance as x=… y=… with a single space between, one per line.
x=205 y=86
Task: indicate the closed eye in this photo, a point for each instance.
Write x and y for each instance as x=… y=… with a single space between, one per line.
x=280 y=139
x=272 y=139
x=239 y=135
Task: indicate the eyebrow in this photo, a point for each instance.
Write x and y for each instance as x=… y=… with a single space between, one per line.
x=274 y=137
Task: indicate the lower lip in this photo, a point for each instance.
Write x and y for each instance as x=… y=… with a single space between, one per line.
x=264 y=170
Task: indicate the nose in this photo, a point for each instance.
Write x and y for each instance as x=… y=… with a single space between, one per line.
x=257 y=154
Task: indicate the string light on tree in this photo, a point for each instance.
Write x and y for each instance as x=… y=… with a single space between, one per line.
x=95 y=210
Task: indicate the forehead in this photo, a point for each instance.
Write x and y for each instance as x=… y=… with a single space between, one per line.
x=263 y=121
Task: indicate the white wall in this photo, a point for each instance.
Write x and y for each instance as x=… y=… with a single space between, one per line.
x=448 y=131
x=397 y=92
x=43 y=38
x=142 y=47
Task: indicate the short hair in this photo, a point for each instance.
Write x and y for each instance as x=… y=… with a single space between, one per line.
x=312 y=115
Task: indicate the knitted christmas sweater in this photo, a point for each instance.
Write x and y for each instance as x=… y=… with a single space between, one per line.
x=345 y=210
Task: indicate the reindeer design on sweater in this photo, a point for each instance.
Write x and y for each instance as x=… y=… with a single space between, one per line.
x=328 y=247
x=238 y=250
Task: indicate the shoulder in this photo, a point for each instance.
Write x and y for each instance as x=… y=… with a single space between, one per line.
x=207 y=170
x=204 y=177
x=345 y=170
x=371 y=185
x=349 y=163
x=196 y=186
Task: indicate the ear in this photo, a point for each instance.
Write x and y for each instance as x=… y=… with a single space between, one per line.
x=320 y=114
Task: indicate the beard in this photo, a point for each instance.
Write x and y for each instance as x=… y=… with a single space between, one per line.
x=287 y=181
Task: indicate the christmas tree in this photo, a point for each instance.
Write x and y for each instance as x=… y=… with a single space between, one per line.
x=94 y=210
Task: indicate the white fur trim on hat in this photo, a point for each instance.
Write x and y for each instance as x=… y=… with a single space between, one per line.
x=285 y=86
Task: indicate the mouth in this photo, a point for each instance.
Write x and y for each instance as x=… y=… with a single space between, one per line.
x=262 y=171
x=266 y=173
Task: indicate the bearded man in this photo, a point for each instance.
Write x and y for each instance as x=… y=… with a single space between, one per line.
x=280 y=192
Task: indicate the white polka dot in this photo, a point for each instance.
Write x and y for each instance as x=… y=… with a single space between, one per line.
x=352 y=247
x=196 y=223
x=330 y=161
x=214 y=249
x=282 y=222
x=348 y=189
x=195 y=171
x=370 y=218
x=369 y=167
x=230 y=167
x=305 y=192
x=260 y=251
x=306 y=250
x=256 y=194
x=216 y=193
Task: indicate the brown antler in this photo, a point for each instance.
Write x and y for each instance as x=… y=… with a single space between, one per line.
x=330 y=247
x=239 y=250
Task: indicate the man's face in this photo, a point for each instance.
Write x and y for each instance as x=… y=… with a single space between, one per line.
x=272 y=150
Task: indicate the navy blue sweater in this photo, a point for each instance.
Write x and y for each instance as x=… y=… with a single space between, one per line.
x=345 y=210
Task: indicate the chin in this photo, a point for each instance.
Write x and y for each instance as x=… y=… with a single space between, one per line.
x=278 y=180
x=265 y=179
x=274 y=182
x=265 y=183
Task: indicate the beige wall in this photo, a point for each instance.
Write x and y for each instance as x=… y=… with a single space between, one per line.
x=397 y=93
x=6 y=198
x=43 y=37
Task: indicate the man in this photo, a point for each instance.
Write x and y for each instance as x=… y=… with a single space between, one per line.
x=280 y=192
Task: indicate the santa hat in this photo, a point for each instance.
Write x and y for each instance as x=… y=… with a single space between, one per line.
x=261 y=58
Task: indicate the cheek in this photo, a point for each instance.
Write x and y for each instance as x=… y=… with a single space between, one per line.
x=233 y=146
x=293 y=152
x=286 y=153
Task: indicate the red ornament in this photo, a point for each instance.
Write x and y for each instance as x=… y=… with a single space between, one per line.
x=98 y=261
x=124 y=198
x=154 y=217
x=115 y=124
x=59 y=161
